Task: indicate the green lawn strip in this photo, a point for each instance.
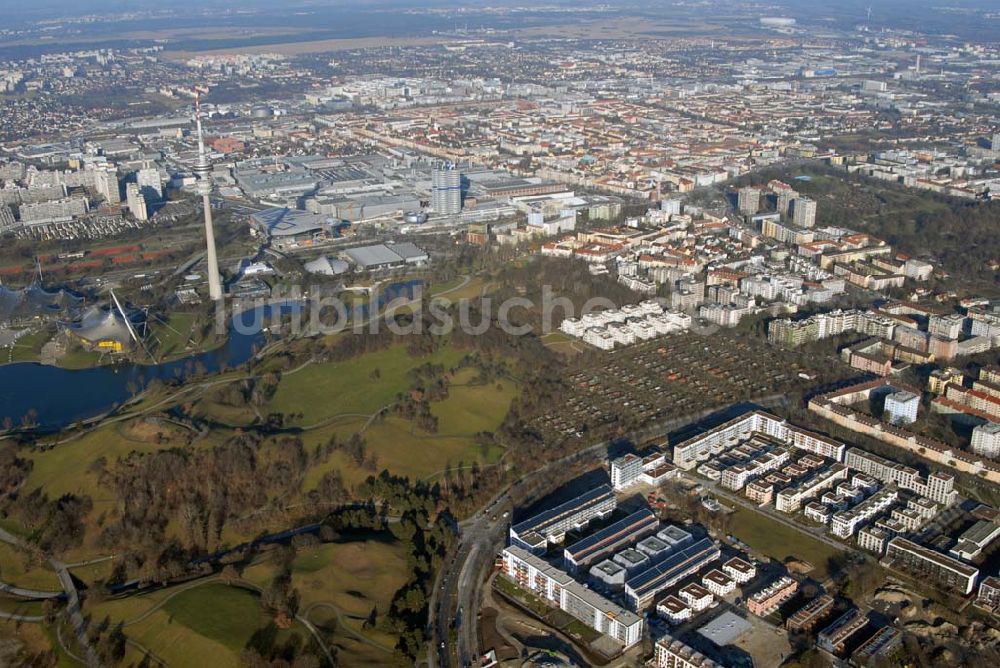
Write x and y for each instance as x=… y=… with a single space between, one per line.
x=28 y=348
x=227 y=615
x=780 y=542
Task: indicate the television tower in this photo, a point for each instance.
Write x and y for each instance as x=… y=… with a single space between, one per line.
x=204 y=171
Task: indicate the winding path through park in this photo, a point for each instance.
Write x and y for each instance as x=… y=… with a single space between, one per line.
x=73 y=610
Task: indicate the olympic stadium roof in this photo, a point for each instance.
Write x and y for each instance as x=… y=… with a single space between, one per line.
x=35 y=301
x=102 y=324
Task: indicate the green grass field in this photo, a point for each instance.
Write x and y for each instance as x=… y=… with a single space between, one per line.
x=400 y=447
x=563 y=344
x=20 y=607
x=14 y=572
x=80 y=359
x=224 y=614
x=321 y=391
x=453 y=291
x=65 y=468
x=28 y=348
x=192 y=625
x=174 y=334
x=779 y=541
x=473 y=408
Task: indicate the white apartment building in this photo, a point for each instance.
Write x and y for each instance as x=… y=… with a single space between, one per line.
x=846 y=523
x=986 y=440
x=737 y=476
x=873 y=539
x=739 y=570
x=674 y=610
x=790 y=499
x=901 y=407
x=599 y=337
x=560 y=589
x=718 y=583
x=938 y=487
x=625 y=471
x=697 y=597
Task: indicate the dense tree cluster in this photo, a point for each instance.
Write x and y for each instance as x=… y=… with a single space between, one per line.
x=56 y=525
x=13 y=469
x=200 y=489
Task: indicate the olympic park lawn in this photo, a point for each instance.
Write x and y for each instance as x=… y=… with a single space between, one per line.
x=201 y=623
x=322 y=391
x=339 y=584
x=16 y=570
x=398 y=445
x=210 y=622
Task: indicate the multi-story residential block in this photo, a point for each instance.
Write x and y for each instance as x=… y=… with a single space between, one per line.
x=986 y=440
x=901 y=407
x=883 y=643
x=845 y=523
x=989 y=593
x=907 y=518
x=625 y=471
x=748 y=200
x=760 y=492
x=7 y=220
x=738 y=475
x=938 y=487
x=136 y=202
x=608 y=540
x=947 y=326
x=818 y=512
x=551 y=526
x=674 y=610
x=149 y=183
x=836 y=636
x=561 y=590
x=767 y=600
x=672 y=653
x=57 y=209
x=645 y=585
x=106 y=183
x=696 y=596
x=811 y=614
x=947 y=572
x=804 y=212
x=873 y=539
x=726 y=436
x=718 y=583
x=790 y=499
x=739 y=570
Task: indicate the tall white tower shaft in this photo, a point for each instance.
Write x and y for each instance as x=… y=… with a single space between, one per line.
x=204 y=171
